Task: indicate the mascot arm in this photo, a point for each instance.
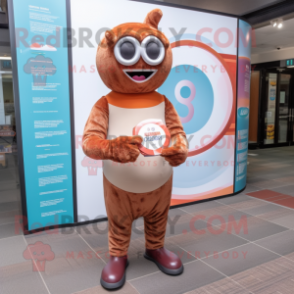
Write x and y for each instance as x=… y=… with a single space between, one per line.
x=95 y=142
x=178 y=152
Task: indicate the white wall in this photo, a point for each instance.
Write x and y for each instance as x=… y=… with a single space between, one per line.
x=274 y=55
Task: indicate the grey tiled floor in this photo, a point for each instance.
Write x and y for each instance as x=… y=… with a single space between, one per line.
x=10 y=206
x=247 y=248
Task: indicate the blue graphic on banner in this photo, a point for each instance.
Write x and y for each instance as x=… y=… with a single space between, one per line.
x=244 y=73
x=195 y=108
x=42 y=60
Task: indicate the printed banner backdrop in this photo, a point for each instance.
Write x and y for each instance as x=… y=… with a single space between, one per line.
x=42 y=62
x=201 y=85
x=244 y=72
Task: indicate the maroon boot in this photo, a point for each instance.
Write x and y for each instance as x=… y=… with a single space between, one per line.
x=113 y=275
x=168 y=262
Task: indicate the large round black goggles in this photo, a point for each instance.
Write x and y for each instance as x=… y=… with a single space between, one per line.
x=128 y=51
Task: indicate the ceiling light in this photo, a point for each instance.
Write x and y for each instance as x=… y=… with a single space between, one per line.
x=274 y=24
x=280 y=25
x=5 y=58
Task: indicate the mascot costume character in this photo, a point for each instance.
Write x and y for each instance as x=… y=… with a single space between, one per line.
x=133 y=60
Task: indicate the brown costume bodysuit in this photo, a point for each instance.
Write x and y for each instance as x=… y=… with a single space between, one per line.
x=124 y=206
x=134 y=60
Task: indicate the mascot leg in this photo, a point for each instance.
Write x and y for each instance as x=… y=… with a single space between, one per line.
x=155 y=221
x=120 y=220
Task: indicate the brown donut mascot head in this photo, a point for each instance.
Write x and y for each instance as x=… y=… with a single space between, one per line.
x=135 y=57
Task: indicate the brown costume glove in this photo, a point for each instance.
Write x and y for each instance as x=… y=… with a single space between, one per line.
x=178 y=152
x=124 y=149
x=121 y=149
x=97 y=146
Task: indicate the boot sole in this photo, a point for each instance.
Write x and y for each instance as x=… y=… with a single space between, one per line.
x=170 y=272
x=114 y=286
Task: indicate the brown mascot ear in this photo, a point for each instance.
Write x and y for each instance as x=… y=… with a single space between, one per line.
x=109 y=35
x=153 y=18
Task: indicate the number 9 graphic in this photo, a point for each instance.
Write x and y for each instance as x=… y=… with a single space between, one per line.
x=186 y=101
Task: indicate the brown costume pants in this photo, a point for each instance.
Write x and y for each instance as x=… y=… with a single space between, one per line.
x=124 y=207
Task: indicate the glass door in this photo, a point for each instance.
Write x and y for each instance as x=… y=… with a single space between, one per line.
x=291 y=112
x=292 y=124
x=277 y=109
x=269 y=98
x=284 y=109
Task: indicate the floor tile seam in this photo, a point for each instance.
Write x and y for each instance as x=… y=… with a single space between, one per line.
x=9 y=190
x=133 y=287
x=37 y=267
x=280 y=194
x=223 y=274
x=283 y=204
x=10 y=236
x=181 y=208
x=228 y=277
x=277 y=187
x=9 y=211
x=223 y=251
x=273 y=187
x=144 y=276
x=210 y=255
x=282 y=256
x=89 y=246
x=215 y=226
x=256 y=215
x=8 y=223
x=254 y=242
x=276 y=200
x=251 y=242
x=158 y=271
x=273 y=202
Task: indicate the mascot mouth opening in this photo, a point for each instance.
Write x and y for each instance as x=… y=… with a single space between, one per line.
x=140 y=76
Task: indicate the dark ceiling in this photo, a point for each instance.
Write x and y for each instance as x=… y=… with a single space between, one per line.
x=236 y=7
